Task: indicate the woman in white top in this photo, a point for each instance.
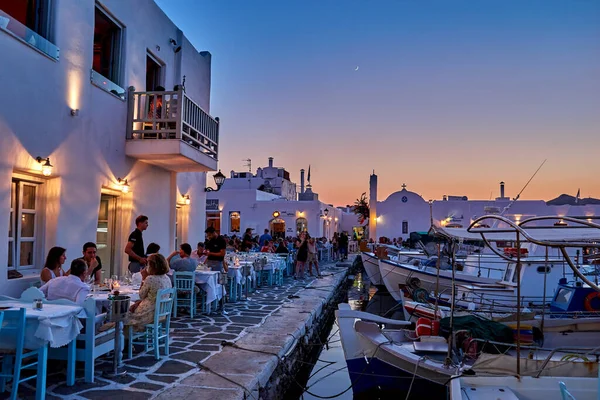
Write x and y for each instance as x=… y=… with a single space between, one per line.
x=53 y=267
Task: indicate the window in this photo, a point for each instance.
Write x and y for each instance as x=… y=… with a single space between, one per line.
x=29 y=21
x=301 y=225
x=404 y=227
x=24 y=199
x=234 y=221
x=214 y=219
x=107 y=49
x=33 y=14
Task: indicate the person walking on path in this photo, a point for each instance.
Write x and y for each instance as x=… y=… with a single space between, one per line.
x=301 y=256
x=135 y=245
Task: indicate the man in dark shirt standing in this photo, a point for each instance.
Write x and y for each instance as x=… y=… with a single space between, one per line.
x=215 y=249
x=135 y=245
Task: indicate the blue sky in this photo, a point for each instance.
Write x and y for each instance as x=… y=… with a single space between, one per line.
x=450 y=97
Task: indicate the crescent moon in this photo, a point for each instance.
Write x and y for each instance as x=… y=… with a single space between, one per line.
x=356 y=69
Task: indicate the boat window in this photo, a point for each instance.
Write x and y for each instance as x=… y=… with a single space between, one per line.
x=563 y=296
x=544 y=269
x=508 y=273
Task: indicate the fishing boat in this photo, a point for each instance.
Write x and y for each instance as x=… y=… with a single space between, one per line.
x=394 y=358
x=529 y=388
x=371 y=261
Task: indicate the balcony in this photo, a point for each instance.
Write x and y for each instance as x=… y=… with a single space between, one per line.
x=169 y=130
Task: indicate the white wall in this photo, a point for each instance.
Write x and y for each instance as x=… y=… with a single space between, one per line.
x=88 y=151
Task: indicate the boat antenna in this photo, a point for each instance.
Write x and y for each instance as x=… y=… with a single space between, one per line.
x=524 y=187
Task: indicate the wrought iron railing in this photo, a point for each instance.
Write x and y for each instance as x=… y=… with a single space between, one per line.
x=163 y=115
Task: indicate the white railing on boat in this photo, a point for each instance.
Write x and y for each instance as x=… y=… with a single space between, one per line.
x=172 y=115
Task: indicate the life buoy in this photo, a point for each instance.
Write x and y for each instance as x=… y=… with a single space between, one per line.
x=587 y=303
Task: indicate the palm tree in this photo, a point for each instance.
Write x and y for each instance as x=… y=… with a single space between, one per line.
x=361 y=209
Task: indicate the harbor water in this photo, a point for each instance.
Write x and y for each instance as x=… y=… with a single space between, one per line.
x=329 y=377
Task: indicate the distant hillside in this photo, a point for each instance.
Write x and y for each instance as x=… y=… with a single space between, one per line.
x=565 y=199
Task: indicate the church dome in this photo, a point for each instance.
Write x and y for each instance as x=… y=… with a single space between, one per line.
x=404 y=197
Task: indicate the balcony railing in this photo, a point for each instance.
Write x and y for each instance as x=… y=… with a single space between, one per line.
x=172 y=115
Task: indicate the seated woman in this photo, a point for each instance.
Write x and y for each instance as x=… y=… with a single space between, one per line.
x=268 y=247
x=53 y=267
x=142 y=311
x=282 y=248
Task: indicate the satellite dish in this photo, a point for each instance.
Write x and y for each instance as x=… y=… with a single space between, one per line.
x=356 y=69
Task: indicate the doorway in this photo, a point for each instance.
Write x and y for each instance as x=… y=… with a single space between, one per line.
x=105 y=234
x=153 y=73
x=277 y=228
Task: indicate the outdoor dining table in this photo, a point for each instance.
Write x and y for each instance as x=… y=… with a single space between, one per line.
x=102 y=301
x=55 y=325
x=209 y=282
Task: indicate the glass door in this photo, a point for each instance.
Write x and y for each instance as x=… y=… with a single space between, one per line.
x=105 y=234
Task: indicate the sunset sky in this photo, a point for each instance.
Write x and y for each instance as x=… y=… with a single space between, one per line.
x=450 y=97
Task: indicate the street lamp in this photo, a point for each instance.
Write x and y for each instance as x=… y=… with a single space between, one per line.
x=219 y=180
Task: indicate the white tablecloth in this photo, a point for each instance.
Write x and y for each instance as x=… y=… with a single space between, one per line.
x=236 y=272
x=101 y=297
x=209 y=282
x=55 y=324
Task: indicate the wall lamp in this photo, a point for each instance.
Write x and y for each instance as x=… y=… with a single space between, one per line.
x=219 y=180
x=46 y=166
x=326 y=211
x=186 y=199
x=176 y=48
x=124 y=185
x=74 y=112
x=276 y=214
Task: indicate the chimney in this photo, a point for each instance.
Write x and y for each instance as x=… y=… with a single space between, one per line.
x=501 y=190
x=270 y=162
x=301 y=181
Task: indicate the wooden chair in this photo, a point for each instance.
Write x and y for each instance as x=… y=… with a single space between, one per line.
x=158 y=330
x=89 y=344
x=185 y=292
x=12 y=364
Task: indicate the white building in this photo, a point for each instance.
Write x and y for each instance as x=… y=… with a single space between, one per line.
x=403 y=212
x=271 y=179
x=64 y=73
x=239 y=204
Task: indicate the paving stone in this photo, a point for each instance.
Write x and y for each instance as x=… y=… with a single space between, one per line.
x=179 y=344
x=146 y=386
x=224 y=336
x=270 y=308
x=123 y=379
x=209 y=341
x=162 y=378
x=145 y=361
x=116 y=394
x=205 y=347
x=234 y=330
x=173 y=368
x=79 y=386
x=211 y=329
x=246 y=320
x=188 y=339
x=192 y=356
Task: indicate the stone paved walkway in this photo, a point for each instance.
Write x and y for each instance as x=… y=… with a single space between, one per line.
x=192 y=341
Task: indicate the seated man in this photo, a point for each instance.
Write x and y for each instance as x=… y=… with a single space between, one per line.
x=199 y=254
x=184 y=263
x=71 y=287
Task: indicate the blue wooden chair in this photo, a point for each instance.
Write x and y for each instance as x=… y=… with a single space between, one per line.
x=12 y=364
x=185 y=292
x=158 y=330
x=89 y=344
x=232 y=289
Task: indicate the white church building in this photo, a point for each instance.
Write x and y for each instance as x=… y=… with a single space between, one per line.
x=404 y=211
x=105 y=115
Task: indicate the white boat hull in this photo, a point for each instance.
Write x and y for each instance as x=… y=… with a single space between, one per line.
x=371 y=265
